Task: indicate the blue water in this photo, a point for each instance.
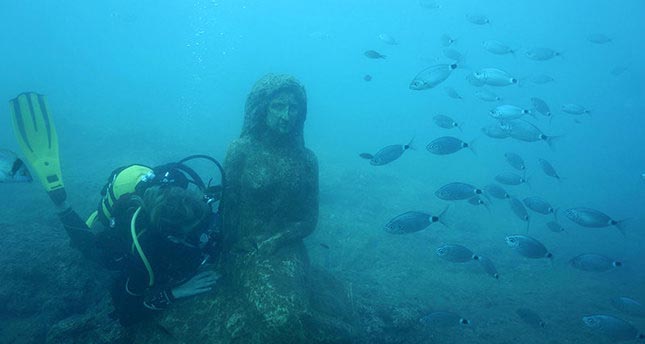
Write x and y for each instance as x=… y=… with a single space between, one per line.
x=158 y=80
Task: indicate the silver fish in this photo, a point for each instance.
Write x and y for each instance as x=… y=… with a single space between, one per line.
x=527 y=246
x=457 y=191
x=522 y=130
x=538 y=205
x=518 y=209
x=508 y=112
x=496 y=131
x=629 y=306
x=541 y=79
x=488 y=266
x=496 y=191
x=594 y=262
x=510 y=178
x=497 y=47
x=575 y=109
x=598 y=38
x=412 y=221
x=453 y=54
x=455 y=253
x=592 y=218
x=447 y=145
x=429 y=4
x=478 y=19
x=446 y=122
x=548 y=169
x=447 y=40
x=541 y=54
x=612 y=327
x=452 y=93
x=530 y=317
x=477 y=200
x=515 y=160
x=373 y=54
x=432 y=76
x=541 y=106
x=618 y=70
x=443 y=320
x=487 y=95
x=387 y=39
x=554 y=227
x=12 y=168
x=494 y=77
x=472 y=79
x=387 y=154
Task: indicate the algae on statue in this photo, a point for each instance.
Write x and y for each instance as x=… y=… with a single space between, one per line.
x=269 y=205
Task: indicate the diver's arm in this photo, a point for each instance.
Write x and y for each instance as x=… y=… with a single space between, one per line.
x=134 y=300
x=79 y=234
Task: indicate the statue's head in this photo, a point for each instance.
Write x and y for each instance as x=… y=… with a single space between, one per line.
x=276 y=110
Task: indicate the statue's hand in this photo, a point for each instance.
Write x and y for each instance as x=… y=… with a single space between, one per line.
x=268 y=246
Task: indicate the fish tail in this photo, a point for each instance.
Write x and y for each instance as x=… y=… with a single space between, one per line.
x=527 y=180
x=471 y=146
x=442 y=217
x=620 y=225
x=459 y=125
x=555 y=214
x=550 y=140
x=532 y=113
x=487 y=208
x=410 y=144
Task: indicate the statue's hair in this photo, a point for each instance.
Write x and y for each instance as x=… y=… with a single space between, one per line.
x=261 y=95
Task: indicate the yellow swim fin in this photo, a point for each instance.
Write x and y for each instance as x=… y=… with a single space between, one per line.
x=34 y=129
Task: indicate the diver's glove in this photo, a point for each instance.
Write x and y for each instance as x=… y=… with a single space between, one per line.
x=159 y=301
x=198 y=284
x=58 y=196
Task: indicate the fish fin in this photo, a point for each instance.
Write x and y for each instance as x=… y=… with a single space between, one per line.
x=410 y=144
x=550 y=140
x=471 y=146
x=620 y=225
x=463 y=58
x=464 y=66
x=442 y=216
x=555 y=215
x=527 y=180
x=532 y=114
x=487 y=206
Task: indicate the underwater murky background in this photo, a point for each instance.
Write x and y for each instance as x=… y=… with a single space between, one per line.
x=154 y=81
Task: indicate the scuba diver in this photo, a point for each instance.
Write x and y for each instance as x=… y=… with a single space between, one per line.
x=160 y=226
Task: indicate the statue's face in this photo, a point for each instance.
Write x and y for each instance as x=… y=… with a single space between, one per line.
x=283 y=112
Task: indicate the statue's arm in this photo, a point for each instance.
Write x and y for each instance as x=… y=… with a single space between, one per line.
x=305 y=217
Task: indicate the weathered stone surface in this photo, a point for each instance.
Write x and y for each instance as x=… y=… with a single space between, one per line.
x=269 y=293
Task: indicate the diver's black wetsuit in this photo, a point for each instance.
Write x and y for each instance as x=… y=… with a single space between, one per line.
x=112 y=248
